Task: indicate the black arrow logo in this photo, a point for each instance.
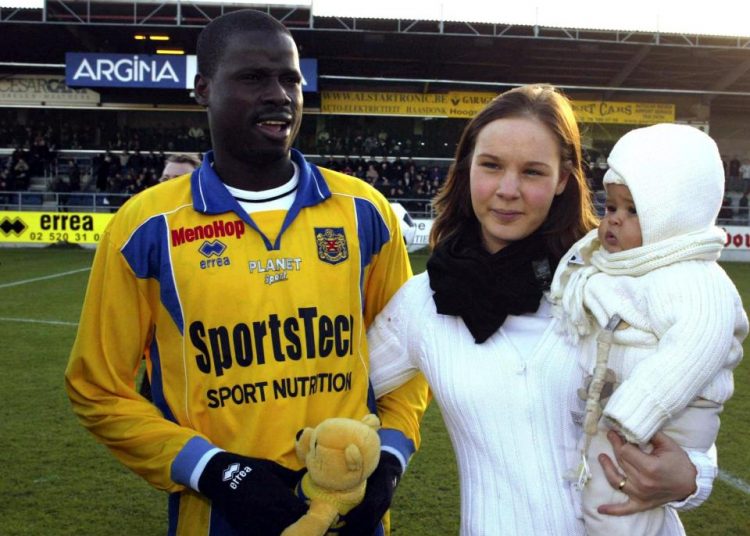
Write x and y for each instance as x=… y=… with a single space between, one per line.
x=16 y=226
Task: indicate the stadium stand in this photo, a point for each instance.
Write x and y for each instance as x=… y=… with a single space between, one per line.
x=68 y=152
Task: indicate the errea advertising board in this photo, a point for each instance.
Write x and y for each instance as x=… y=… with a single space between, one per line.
x=52 y=227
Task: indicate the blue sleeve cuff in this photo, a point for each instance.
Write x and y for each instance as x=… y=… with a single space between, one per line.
x=395 y=442
x=194 y=455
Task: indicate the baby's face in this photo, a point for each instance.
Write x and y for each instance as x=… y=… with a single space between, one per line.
x=620 y=228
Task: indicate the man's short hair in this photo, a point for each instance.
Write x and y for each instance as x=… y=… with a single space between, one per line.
x=184 y=159
x=213 y=38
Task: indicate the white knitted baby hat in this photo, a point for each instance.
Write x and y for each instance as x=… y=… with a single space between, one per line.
x=675 y=175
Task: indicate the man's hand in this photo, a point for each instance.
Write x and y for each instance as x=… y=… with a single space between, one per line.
x=255 y=496
x=364 y=518
x=651 y=479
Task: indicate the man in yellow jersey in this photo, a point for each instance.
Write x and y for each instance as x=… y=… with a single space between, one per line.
x=251 y=282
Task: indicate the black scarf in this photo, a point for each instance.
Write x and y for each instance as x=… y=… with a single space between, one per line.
x=484 y=288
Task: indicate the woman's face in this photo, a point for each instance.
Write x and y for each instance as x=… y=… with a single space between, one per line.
x=515 y=174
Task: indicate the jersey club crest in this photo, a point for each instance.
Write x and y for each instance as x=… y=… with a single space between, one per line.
x=331 y=244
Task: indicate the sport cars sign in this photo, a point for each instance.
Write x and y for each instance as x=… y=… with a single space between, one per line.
x=128 y=70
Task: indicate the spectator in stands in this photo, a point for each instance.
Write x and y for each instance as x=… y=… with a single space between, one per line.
x=383 y=137
x=734 y=178
x=745 y=175
x=135 y=183
x=61 y=185
x=370 y=145
x=323 y=142
x=114 y=164
x=179 y=264
x=75 y=142
x=387 y=172
x=372 y=175
x=6 y=133
x=742 y=212
x=116 y=183
x=39 y=156
x=134 y=142
x=478 y=324
x=435 y=174
x=19 y=174
x=100 y=166
x=178 y=164
x=124 y=158
x=4 y=183
x=726 y=214
x=734 y=170
x=153 y=160
x=136 y=160
x=117 y=143
x=359 y=171
x=74 y=176
x=196 y=137
x=5 y=186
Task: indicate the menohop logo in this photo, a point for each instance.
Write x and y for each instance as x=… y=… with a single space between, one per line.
x=213 y=251
x=216 y=229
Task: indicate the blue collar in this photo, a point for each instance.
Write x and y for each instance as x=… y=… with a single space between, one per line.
x=210 y=196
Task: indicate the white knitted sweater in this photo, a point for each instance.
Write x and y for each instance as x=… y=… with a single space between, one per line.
x=507 y=405
x=685 y=315
x=686 y=330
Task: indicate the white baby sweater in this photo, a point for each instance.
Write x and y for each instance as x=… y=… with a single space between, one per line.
x=686 y=326
x=507 y=406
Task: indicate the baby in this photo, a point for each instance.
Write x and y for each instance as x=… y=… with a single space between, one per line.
x=668 y=320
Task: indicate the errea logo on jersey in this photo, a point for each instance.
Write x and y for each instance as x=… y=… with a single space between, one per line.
x=213 y=250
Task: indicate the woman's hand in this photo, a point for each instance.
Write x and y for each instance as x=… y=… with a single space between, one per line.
x=650 y=479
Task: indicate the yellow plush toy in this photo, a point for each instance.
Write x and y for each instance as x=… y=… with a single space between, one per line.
x=340 y=454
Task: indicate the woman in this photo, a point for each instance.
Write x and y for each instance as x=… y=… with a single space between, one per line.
x=479 y=327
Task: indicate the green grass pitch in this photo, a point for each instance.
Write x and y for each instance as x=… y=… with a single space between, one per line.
x=56 y=480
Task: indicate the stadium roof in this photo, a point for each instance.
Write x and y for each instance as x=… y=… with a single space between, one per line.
x=406 y=52
x=725 y=18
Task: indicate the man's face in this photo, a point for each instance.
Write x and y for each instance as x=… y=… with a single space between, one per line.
x=254 y=99
x=175 y=169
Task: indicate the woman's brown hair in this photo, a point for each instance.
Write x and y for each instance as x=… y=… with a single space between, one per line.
x=571 y=214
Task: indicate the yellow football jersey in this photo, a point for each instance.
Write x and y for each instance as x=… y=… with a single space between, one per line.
x=254 y=326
